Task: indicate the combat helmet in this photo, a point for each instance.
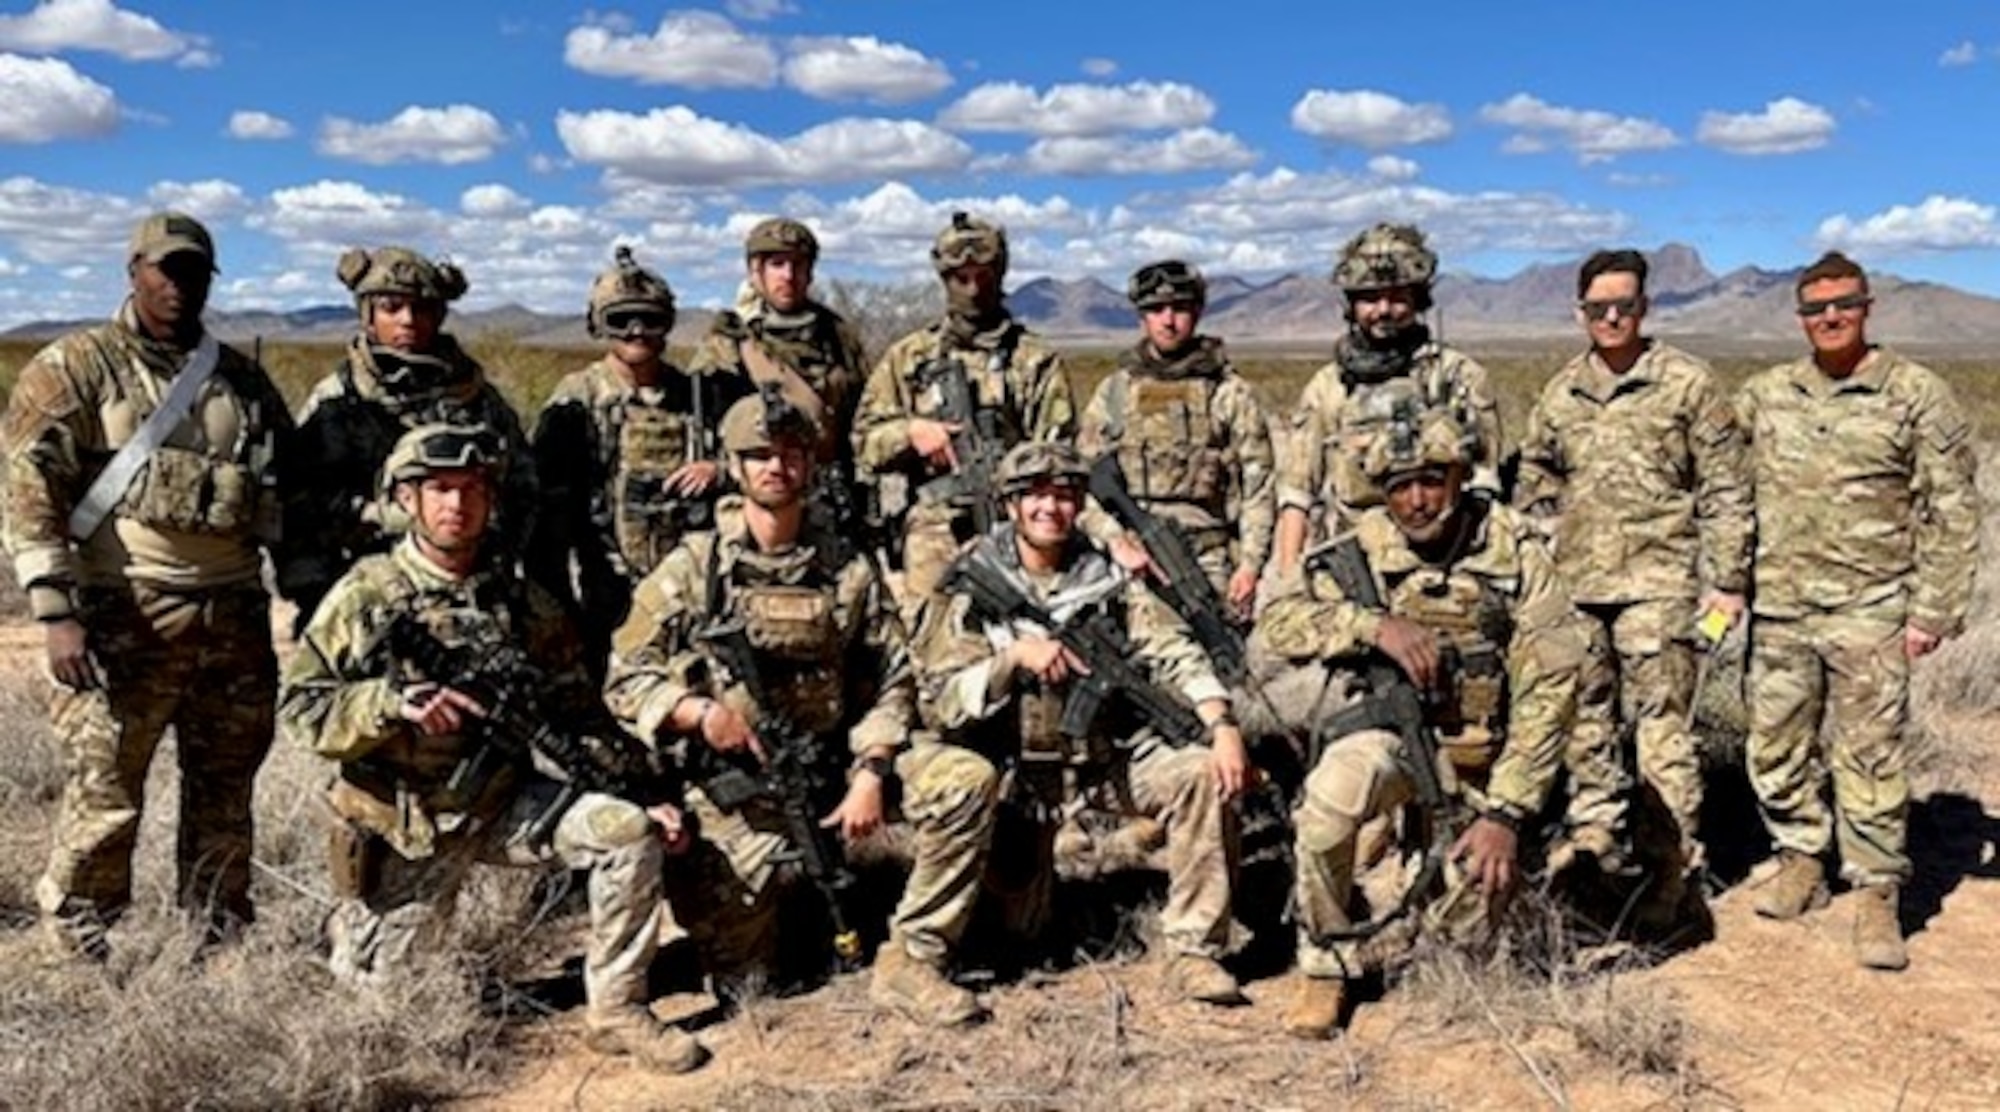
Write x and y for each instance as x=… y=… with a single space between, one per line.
x=400 y=271
x=1416 y=440
x=1168 y=282
x=759 y=421
x=780 y=235
x=1384 y=257
x=627 y=288
x=430 y=448
x=1040 y=461
x=969 y=239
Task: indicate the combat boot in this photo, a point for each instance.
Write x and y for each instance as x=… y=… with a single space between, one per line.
x=1798 y=887
x=1197 y=977
x=1878 y=932
x=920 y=990
x=1315 y=1007
x=633 y=1032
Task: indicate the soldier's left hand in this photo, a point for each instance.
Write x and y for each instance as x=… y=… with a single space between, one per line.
x=1229 y=762
x=1243 y=589
x=1918 y=642
x=437 y=710
x=1487 y=852
x=675 y=835
x=694 y=478
x=1133 y=557
x=860 y=810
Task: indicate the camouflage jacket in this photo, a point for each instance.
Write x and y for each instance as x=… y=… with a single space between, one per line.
x=1864 y=493
x=1644 y=476
x=195 y=516
x=1013 y=372
x=349 y=423
x=1503 y=595
x=817 y=343
x=828 y=637
x=340 y=691
x=1194 y=445
x=974 y=702
x=1337 y=419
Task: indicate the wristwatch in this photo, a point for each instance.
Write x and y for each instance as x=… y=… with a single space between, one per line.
x=883 y=767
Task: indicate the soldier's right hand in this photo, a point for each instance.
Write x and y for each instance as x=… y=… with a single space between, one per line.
x=725 y=731
x=1047 y=659
x=932 y=440
x=70 y=661
x=1412 y=647
x=437 y=710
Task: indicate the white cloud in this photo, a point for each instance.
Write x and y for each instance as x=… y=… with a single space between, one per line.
x=451 y=136
x=208 y=201
x=57 y=225
x=54 y=26
x=1964 y=54
x=863 y=68
x=698 y=50
x=1367 y=118
x=1938 y=223
x=1595 y=136
x=11 y=269
x=757 y=11
x=326 y=217
x=492 y=199
x=1198 y=148
x=1079 y=109
x=1392 y=168
x=43 y=99
x=1099 y=68
x=677 y=147
x=1787 y=125
x=258 y=125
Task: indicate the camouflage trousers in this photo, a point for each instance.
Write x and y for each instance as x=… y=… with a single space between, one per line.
x=1158 y=781
x=409 y=903
x=203 y=665
x=1829 y=703
x=932 y=535
x=1360 y=777
x=1655 y=658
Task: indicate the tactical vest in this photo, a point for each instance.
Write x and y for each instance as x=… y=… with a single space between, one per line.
x=792 y=620
x=1169 y=442
x=1365 y=413
x=1471 y=618
x=640 y=444
x=816 y=353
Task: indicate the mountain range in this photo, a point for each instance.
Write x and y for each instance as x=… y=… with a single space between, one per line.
x=1746 y=307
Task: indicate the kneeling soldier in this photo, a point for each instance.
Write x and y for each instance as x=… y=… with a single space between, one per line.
x=1029 y=660
x=429 y=673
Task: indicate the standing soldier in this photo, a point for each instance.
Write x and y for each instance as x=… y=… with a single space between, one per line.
x=778 y=333
x=999 y=673
x=771 y=646
x=141 y=466
x=1386 y=361
x=625 y=454
x=1867 y=535
x=908 y=434
x=1188 y=434
x=417 y=800
x=1460 y=596
x=400 y=371
x=1635 y=462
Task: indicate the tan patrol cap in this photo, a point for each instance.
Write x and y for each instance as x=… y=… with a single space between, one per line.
x=170 y=233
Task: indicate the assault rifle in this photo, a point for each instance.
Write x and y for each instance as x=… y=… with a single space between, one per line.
x=515 y=729
x=1094 y=636
x=1187 y=589
x=978 y=444
x=794 y=779
x=1394 y=703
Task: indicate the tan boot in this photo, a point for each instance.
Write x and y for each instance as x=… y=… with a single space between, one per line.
x=1315 y=1007
x=1196 y=977
x=1798 y=887
x=919 y=990
x=634 y=1032
x=1878 y=933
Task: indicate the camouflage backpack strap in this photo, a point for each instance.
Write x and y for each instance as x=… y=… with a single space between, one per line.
x=764 y=367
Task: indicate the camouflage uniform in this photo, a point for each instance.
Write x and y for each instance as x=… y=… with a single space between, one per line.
x=828 y=642
x=1013 y=722
x=1867 y=522
x=355 y=415
x=170 y=593
x=1014 y=374
x=1644 y=477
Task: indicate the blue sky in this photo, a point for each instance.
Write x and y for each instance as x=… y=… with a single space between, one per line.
x=524 y=139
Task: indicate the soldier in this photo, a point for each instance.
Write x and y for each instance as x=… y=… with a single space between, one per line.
x=1635 y=463
x=1189 y=435
x=1867 y=531
x=1018 y=385
x=141 y=467
x=400 y=371
x=826 y=658
x=997 y=684
x=625 y=455
x=1477 y=616
x=778 y=333
x=1388 y=359
x=407 y=831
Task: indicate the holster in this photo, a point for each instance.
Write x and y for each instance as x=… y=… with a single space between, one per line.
x=353 y=858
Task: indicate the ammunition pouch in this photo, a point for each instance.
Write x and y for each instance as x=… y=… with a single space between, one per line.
x=184 y=491
x=354 y=857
